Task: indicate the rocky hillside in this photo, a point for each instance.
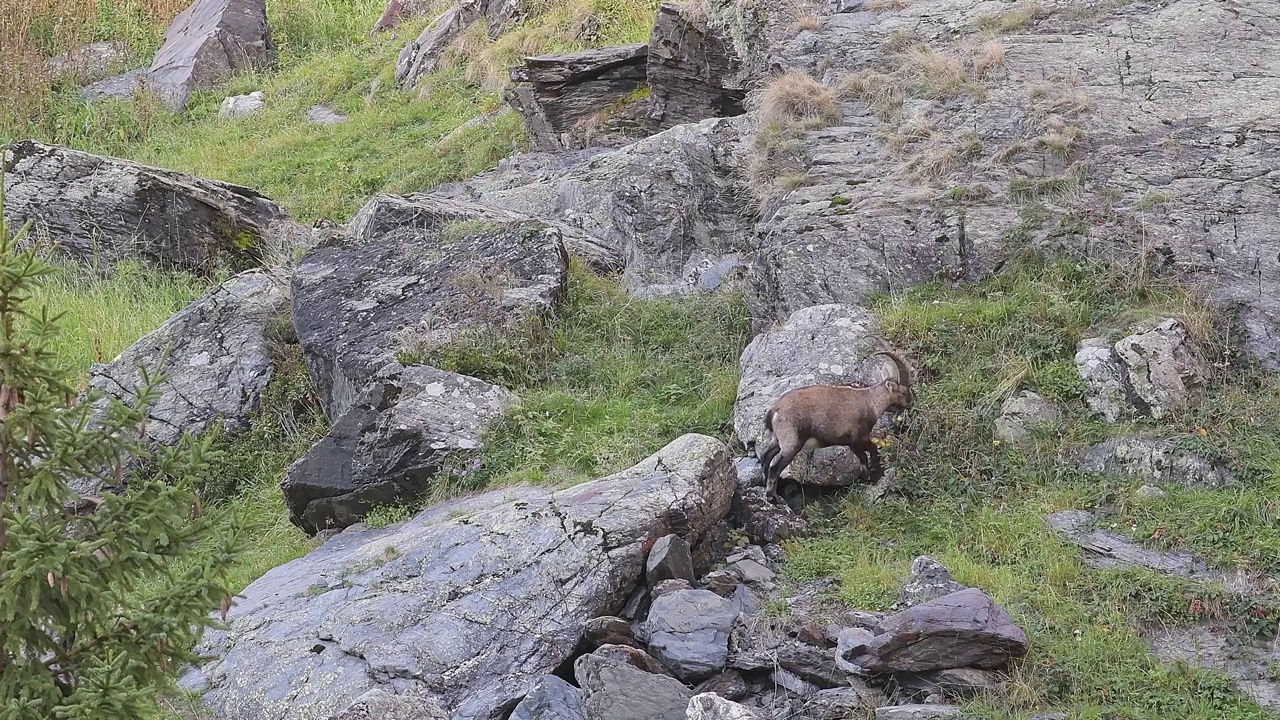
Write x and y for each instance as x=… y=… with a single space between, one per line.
x=522 y=405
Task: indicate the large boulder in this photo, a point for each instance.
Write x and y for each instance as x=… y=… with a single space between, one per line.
x=1153 y=373
x=469 y=602
x=563 y=97
x=410 y=425
x=417 y=271
x=551 y=698
x=105 y=210
x=206 y=45
x=215 y=354
x=668 y=208
x=614 y=690
x=963 y=629
x=816 y=345
x=688 y=631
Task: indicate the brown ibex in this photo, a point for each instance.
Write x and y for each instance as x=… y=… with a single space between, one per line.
x=817 y=416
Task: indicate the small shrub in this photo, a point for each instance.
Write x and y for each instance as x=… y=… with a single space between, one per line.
x=935 y=75
x=796 y=98
x=887 y=5
x=385 y=515
x=879 y=91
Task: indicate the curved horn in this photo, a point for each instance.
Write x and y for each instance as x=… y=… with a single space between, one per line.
x=904 y=373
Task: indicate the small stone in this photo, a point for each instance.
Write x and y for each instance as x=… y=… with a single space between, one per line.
x=864 y=619
x=928 y=580
x=669 y=559
x=728 y=684
x=811 y=634
x=792 y=683
x=1150 y=492
x=607 y=630
x=321 y=115
x=851 y=643
x=750 y=552
x=666 y=587
x=721 y=582
x=242 y=105
x=710 y=706
x=917 y=712
x=752 y=572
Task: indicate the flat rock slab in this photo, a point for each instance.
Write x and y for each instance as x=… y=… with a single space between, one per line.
x=1157 y=461
x=105 y=210
x=410 y=425
x=216 y=358
x=1249 y=662
x=469 y=602
x=413 y=271
x=963 y=629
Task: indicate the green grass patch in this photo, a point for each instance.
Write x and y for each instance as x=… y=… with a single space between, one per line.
x=979 y=506
x=604 y=382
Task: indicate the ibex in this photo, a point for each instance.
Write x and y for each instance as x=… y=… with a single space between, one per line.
x=817 y=416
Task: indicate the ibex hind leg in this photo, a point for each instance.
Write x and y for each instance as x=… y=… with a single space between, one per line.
x=774 y=472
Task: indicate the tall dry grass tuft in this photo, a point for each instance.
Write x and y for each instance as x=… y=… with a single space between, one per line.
x=795 y=97
x=32 y=31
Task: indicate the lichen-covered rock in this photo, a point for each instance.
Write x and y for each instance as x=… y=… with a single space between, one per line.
x=208 y=43
x=710 y=706
x=918 y=712
x=408 y=426
x=616 y=691
x=1157 y=461
x=236 y=106
x=1021 y=414
x=417 y=271
x=469 y=602
x=1150 y=373
x=378 y=704
x=217 y=358
x=551 y=698
x=559 y=96
x=668 y=208
x=107 y=210
x=927 y=580
x=965 y=628
x=87 y=63
x=688 y=631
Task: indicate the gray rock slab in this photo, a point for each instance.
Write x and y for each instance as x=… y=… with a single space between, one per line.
x=469 y=602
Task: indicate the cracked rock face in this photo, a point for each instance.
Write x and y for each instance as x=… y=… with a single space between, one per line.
x=667 y=208
x=409 y=425
x=414 y=271
x=218 y=363
x=105 y=210
x=467 y=603
x=963 y=629
x=1152 y=373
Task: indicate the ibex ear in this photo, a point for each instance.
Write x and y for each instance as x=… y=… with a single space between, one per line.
x=891 y=384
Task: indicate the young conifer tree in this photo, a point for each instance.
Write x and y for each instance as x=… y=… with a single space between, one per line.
x=101 y=598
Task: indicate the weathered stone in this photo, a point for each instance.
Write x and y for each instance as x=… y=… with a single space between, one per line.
x=834 y=703
x=953 y=683
x=324 y=115
x=667 y=207
x=417 y=271
x=852 y=643
x=550 y=698
x=616 y=691
x=753 y=652
x=1150 y=373
x=559 y=95
x=918 y=712
x=215 y=355
x=666 y=587
x=124 y=87
x=710 y=706
x=471 y=600
x=669 y=560
x=87 y=63
x=410 y=425
x=607 y=630
x=752 y=572
x=1158 y=461
x=765 y=522
x=710 y=551
x=208 y=43
x=1249 y=660
x=241 y=105
x=688 y=631
x=729 y=685
x=721 y=582
x=378 y=704
x=702 y=60
x=1021 y=414
x=632 y=656
x=421 y=56
x=1150 y=492
x=927 y=580
x=792 y=683
x=965 y=628
x=107 y=210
